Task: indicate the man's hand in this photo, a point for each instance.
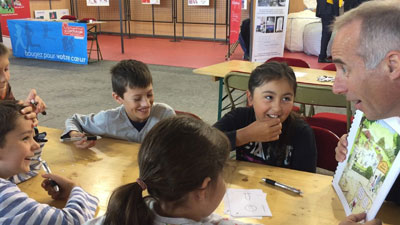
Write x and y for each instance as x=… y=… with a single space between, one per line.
x=356 y=218
x=341 y=149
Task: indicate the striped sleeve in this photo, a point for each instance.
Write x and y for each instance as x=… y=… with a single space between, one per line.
x=17 y=208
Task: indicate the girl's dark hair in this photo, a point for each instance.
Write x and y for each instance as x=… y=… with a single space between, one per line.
x=174 y=159
x=265 y=73
x=270 y=71
x=9 y=113
x=130 y=73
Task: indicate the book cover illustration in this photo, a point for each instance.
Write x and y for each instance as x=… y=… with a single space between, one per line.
x=364 y=179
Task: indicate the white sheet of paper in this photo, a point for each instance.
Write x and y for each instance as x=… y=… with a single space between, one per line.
x=246 y=203
x=299 y=74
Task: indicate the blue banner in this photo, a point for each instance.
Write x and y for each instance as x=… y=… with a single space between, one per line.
x=49 y=40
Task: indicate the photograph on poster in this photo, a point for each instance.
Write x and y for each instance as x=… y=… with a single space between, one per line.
x=53 y=15
x=271 y=3
x=97 y=2
x=279 y=24
x=265 y=24
x=244 y=4
x=363 y=181
x=6 y=7
x=198 y=2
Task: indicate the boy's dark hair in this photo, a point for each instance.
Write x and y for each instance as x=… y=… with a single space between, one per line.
x=174 y=159
x=271 y=71
x=4 y=50
x=9 y=113
x=129 y=73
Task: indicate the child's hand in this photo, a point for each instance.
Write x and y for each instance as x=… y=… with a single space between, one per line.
x=29 y=114
x=40 y=106
x=266 y=130
x=341 y=149
x=260 y=131
x=82 y=144
x=63 y=183
x=355 y=218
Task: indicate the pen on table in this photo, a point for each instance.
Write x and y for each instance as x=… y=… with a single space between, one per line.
x=34 y=103
x=284 y=186
x=88 y=138
x=47 y=170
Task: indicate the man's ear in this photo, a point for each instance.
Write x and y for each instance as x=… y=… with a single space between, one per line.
x=201 y=193
x=249 y=98
x=394 y=64
x=117 y=98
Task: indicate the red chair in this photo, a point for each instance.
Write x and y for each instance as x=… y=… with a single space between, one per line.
x=326 y=142
x=92 y=37
x=290 y=61
x=68 y=17
x=177 y=112
x=330 y=67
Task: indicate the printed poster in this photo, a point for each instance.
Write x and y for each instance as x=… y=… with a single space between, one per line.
x=49 y=40
x=236 y=14
x=269 y=29
x=372 y=166
x=13 y=9
x=97 y=2
x=154 y=2
x=198 y=2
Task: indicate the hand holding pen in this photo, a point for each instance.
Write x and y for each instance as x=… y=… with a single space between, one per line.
x=81 y=140
x=56 y=186
x=36 y=102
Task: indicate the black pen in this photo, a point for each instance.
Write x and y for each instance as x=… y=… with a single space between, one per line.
x=88 y=138
x=34 y=103
x=47 y=170
x=284 y=186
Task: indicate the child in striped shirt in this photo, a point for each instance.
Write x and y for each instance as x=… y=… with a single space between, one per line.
x=17 y=148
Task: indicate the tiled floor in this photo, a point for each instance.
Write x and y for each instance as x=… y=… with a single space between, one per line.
x=185 y=53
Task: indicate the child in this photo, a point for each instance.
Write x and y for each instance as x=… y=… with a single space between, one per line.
x=29 y=112
x=132 y=88
x=180 y=163
x=17 y=148
x=5 y=88
x=269 y=132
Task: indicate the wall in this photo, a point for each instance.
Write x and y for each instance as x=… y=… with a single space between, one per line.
x=142 y=16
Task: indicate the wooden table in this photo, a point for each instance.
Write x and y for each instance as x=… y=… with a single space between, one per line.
x=219 y=71
x=112 y=163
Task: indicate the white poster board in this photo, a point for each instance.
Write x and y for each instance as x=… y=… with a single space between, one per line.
x=371 y=167
x=97 y=2
x=198 y=2
x=268 y=29
x=54 y=14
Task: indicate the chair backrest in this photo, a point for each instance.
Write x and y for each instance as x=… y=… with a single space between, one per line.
x=291 y=61
x=330 y=67
x=68 y=17
x=235 y=81
x=321 y=96
x=177 y=112
x=326 y=142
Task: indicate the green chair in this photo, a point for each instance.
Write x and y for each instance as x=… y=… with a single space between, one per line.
x=236 y=81
x=321 y=96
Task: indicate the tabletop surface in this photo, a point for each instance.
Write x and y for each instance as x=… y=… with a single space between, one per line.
x=111 y=163
x=303 y=75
